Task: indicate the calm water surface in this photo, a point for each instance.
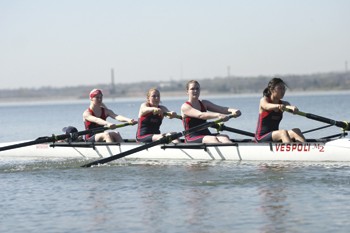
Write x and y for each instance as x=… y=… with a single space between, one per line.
x=172 y=196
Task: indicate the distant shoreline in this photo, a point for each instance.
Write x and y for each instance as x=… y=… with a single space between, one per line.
x=164 y=95
x=313 y=84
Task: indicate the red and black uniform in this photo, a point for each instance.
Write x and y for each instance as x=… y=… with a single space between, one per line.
x=148 y=125
x=267 y=123
x=91 y=125
x=190 y=122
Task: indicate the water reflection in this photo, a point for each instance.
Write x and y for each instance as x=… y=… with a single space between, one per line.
x=274 y=198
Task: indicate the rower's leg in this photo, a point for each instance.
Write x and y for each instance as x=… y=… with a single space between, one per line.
x=296 y=135
x=281 y=135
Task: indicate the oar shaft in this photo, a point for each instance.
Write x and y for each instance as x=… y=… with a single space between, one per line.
x=341 y=124
x=238 y=131
x=90 y=131
x=37 y=141
x=54 y=138
x=125 y=153
x=102 y=129
x=325 y=120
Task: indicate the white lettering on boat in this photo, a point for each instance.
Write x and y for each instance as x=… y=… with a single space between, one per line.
x=282 y=147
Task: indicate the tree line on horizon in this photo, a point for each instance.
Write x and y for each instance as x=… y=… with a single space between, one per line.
x=333 y=81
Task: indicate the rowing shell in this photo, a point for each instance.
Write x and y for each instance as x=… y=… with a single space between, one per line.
x=315 y=150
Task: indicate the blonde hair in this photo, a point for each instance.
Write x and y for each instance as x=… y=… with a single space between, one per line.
x=190 y=82
x=151 y=90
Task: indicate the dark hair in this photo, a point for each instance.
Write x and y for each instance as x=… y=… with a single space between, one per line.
x=272 y=84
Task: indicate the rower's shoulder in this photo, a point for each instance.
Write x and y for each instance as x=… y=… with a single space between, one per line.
x=87 y=111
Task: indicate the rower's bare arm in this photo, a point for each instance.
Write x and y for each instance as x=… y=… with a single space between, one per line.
x=125 y=119
x=220 y=109
x=168 y=113
x=265 y=105
x=87 y=116
x=120 y=118
x=145 y=109
x=189 y=111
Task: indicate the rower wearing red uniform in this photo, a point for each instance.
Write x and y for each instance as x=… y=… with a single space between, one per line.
x=196 y=112
x=96 y=116
x=151 y=116
x=190 y=122
x=271 y=113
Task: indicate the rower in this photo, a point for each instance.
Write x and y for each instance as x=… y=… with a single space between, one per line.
x=271 y=112
x=96 y=115
x=151 y=116
x=196 y=112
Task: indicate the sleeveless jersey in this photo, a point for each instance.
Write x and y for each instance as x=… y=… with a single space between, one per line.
x=190 y=122
x=149 y=124
x=92 y=125
x=268 y=121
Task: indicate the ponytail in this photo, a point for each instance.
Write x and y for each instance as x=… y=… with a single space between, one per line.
x=271 y=85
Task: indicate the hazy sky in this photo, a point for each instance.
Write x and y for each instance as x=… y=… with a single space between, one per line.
x=74 y=42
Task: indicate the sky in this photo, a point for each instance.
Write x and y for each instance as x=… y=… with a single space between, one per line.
x=77 y=42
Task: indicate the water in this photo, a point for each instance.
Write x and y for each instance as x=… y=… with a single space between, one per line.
x=172 y=196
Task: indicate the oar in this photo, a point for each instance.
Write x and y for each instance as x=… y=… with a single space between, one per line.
x=163 y=140
x=342 y=124
x=54 y=138
x=222 y=127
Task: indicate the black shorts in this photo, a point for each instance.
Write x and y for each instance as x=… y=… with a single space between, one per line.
x=91 y=139
x=264 y=138
x=145 y=138
x=197 y=137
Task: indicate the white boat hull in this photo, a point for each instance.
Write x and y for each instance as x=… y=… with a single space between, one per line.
x=335 y=150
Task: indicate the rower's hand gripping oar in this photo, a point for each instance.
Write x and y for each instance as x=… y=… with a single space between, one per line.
x=342 y=124
x=55 y=138
x=176 y=116
x=164 y=140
